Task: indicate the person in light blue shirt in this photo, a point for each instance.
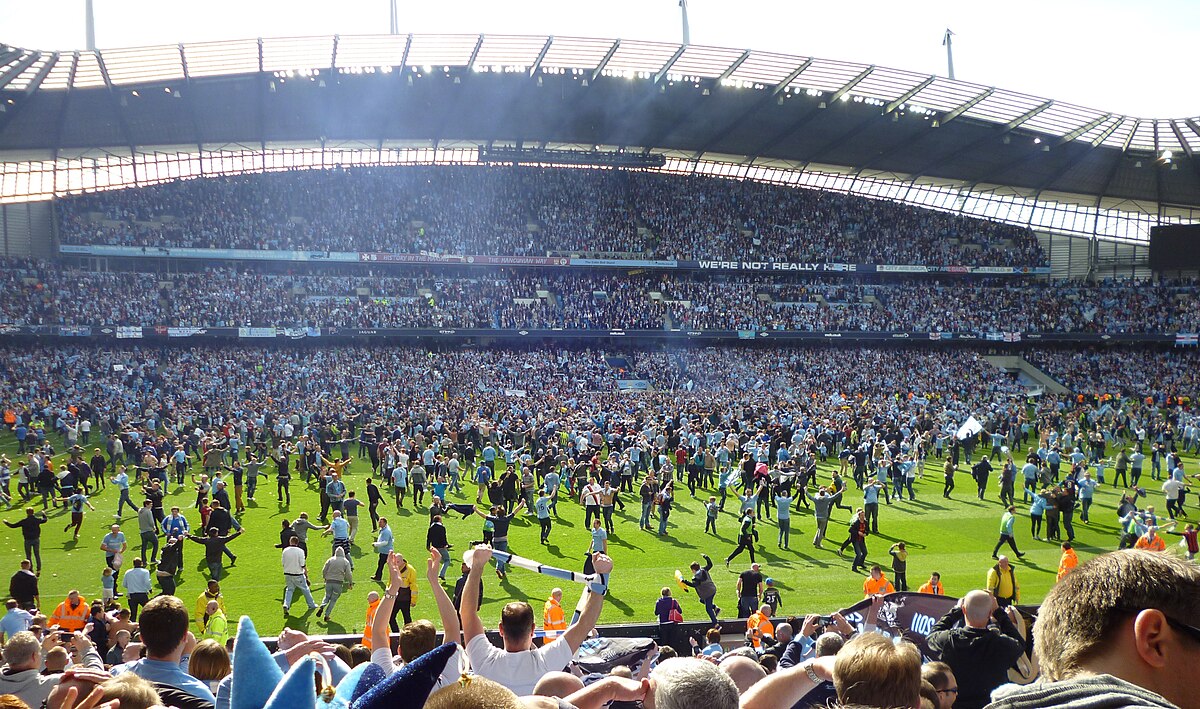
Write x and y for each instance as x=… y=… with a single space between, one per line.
x=783 y=513
x=541 y=507
x=383 y=547
x=871 y=504
x=339 y=527
x=1087 y=488
x=14 y=621
x=1030 y=472
x=165 y=661
x=112 y=544
x=137 y=585
x=122 y=483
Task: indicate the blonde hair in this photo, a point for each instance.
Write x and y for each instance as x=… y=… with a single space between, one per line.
x=133 y=691
x=873 y=671
x=209 y=661
x=479 y=693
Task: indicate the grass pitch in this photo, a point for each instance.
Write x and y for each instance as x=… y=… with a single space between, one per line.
x=954 y=537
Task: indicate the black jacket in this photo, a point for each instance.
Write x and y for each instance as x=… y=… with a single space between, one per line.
x=31 y=526
x=436 y=537
x=23 y=587
x=980 y=657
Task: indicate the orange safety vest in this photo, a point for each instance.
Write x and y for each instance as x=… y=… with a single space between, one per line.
x=553 y=619
x=371 y=608
x=931 y=588
x=1068 y=562
x=72 y=620
x=1144 y=542
x=872 y=587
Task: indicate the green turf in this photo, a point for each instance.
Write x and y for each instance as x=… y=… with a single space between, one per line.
x=954 y=537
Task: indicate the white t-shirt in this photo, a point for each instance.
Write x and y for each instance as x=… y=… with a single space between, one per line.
x=519 y=671
x=383 y=658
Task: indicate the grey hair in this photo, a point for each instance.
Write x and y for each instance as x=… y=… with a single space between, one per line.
x=686 y=683
x=20 y=648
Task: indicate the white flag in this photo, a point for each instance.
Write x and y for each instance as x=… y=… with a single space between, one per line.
x=970 y=428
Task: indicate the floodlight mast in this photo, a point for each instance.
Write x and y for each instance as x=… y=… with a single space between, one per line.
x=89 y=22
x=394 y=28
x=687 y=32
x=949 y=53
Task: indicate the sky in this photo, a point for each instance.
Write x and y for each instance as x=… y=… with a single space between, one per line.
x=1130 y=56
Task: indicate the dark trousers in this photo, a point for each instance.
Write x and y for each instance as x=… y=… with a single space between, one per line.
x=403 y=605
x=545 y=524
x=383 y=560
x=136 y=600
x=1011 y=542
x=744 y=544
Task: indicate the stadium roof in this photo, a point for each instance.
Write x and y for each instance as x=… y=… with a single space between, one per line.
x=536 y=90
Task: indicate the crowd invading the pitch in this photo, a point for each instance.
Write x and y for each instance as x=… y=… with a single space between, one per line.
x=187 y=436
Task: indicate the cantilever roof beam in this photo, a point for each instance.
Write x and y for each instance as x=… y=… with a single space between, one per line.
x=9 y=76
x=116 y=103
x=754 y=108
x=61 y=122
x=1002 y=131
x=733 y=67
x=904 y=97
x=541 y=57
x=607 y=58
x=670 y=63
x=30 y=90
x=971 y=103
x=851 y=84
x=1064 y=140
x=187 y=99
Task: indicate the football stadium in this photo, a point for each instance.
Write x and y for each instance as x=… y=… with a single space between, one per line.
x=490 y=370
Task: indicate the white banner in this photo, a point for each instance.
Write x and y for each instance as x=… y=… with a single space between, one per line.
x=127 y=332
x=970 y=428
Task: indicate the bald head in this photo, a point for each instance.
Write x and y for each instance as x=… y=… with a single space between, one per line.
x=977 y=608
x=558 y=684
x=743 y=671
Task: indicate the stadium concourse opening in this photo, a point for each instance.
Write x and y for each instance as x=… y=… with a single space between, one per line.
x=573 y=409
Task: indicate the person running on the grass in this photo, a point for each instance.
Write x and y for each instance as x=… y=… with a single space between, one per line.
x=338 y=575
x=542 y=507
x=500 y=523
x=31 y=534
x=747 y=535
x=1006 y=532
x=823 y=504
x=711 y=509
x=706 y=589
x=75 y=503
x=783 y=510
x=857 y=536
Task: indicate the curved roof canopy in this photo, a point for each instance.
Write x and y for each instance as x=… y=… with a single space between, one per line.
x=535 y=90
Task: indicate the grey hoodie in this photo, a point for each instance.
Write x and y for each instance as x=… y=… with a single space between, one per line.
x=34 y=688
x=1089 y=692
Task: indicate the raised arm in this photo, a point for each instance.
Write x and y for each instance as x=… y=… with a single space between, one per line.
x=787 y=687
x=450 y=622
x=469 y=607
x=579 y=630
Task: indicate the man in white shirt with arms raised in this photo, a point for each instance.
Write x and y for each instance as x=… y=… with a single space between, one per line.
x=519 y=666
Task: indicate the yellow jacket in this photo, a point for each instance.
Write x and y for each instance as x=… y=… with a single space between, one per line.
x=408 y=579
x=202 y=605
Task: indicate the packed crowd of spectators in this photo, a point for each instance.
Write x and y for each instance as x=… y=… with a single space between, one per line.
x=537 y=211
x=137 y=380
x=46 y=293
x=1098 y=372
